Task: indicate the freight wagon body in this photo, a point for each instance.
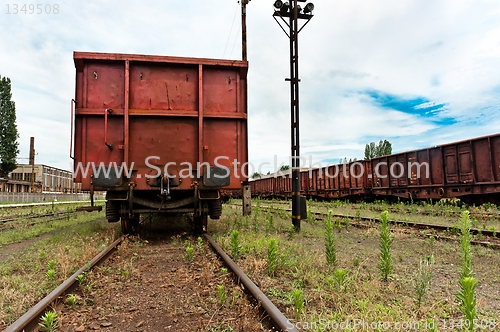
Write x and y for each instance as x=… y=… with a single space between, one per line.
x=159 y=134
x=468 y=169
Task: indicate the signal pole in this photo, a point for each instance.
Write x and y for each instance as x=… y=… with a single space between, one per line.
x=294 y=12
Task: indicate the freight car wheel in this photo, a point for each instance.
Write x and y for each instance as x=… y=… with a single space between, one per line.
x=133 y=224
x=200 y=223
x=125 y=226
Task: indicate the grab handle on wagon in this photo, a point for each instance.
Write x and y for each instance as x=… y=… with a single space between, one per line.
x=71 y=155
x=106 y=112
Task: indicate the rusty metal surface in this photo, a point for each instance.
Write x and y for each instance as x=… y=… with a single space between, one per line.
x=464 y=169
x=183 y=110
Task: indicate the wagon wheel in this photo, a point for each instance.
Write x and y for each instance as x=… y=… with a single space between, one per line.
x=125 y=226
x=200 y=223
x=130 y=225
x=134 y=224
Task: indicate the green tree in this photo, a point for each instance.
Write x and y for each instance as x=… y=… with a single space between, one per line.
x=370 y=151
x=383 y=148
x=284 y=168
x=256 y=175
x=9 y=147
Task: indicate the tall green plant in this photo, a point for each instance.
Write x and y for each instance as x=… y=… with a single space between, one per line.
x=330 y=250
x=386 y=239
x=235 y=245
x=466 y=252
x=422 y=279
x=221 y=294
x=272 y=256
x=341 y=278
x=49 y=322
x=256 y=215
x=467 y=300
x=298 y=302
x=467 y=283
x=189 y=254
x=269 y=222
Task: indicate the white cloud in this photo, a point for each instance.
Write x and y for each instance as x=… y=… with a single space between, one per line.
x=445 y=51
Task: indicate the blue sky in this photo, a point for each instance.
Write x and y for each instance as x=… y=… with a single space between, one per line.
x=413 y=72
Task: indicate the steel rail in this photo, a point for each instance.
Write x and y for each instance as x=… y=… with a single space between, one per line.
x=29 y=321
x=441 y=228
x=34 y=216
x=430 y=213
x=418 y=225
x=13 y=206
x=279 y=319
x=11 y=226
x=485 y=232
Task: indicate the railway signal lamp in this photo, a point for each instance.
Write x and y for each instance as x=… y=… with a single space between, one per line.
x=293 y=12
x=285 y=8
x=309 y=8
x=281 y=6
x=278 y=4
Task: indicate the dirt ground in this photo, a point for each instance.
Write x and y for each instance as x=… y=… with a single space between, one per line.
x=149 y=285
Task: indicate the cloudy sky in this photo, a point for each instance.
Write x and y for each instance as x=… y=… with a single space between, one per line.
x=418 y=73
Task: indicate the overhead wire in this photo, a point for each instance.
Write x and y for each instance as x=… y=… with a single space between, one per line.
x=235 y=40
x=231 y=31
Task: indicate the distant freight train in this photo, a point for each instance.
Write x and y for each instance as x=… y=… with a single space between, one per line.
x=159 y=134
x=469 y=170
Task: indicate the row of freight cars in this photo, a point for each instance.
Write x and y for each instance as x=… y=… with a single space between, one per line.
x=469 y=170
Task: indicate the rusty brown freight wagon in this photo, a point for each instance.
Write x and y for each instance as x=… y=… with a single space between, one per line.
x=469 y=170
x=159 y=134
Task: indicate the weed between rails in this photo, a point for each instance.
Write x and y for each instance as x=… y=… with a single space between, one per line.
x=386 y=239
x=49 y=322
x=466 y=294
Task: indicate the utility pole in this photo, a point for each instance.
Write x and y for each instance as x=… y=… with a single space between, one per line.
x=32 y=163
x=245 y=186
x=244 y=4
x=294 y=14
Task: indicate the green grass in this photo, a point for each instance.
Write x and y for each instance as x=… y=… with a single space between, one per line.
x=356 y=291
x=25 y=278
x=30 y=228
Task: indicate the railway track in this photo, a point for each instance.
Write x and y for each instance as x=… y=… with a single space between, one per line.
x=140 y=300
x=30 y=215
x=36 y=216
x=358 y=221
x=14 y=206
x=29 y=321
x=479 y=215
x=55 y=215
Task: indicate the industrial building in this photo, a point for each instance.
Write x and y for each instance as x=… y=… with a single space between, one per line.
x=46 y=179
